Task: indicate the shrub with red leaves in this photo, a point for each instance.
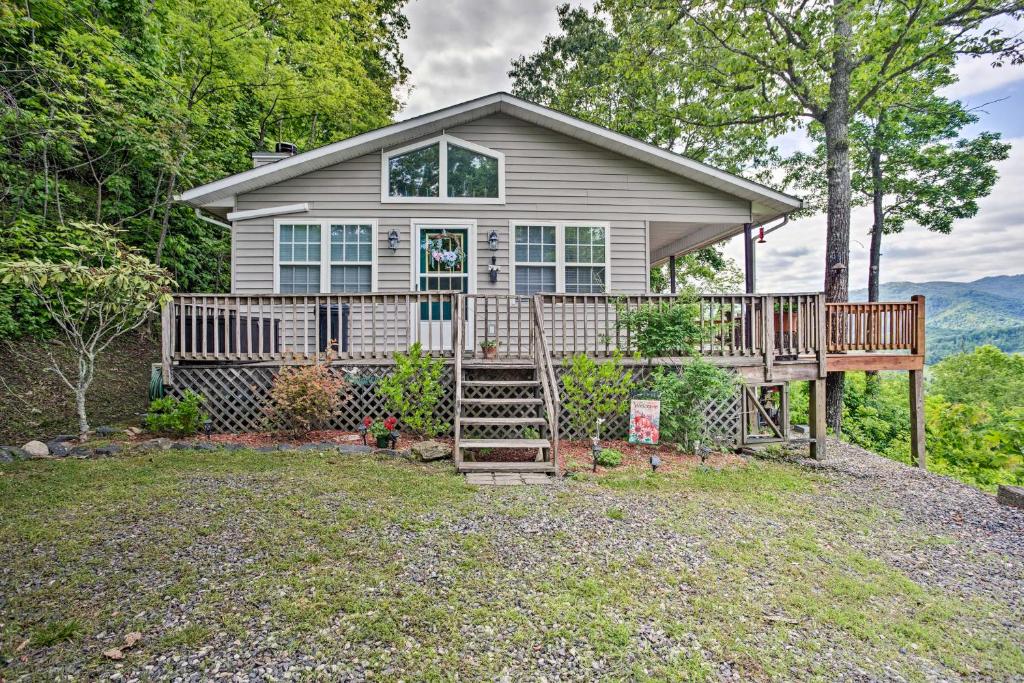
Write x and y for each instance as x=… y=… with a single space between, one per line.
x=304 y=398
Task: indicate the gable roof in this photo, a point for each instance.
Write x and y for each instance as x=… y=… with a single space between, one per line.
x=766 y=202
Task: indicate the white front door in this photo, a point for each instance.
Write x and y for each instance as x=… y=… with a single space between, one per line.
x=444 y=258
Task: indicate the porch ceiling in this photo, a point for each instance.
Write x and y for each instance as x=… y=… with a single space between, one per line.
x=668 y=238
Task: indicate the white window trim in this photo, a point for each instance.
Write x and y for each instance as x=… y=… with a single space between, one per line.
x=325 y=250
x=560 y=262
x=442 y=187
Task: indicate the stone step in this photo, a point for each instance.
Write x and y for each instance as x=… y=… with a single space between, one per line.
x=509 y=478
x=507 y=467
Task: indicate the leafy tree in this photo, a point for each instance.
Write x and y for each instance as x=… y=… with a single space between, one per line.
x=101 y=292
x=110 y=109
x=707 y=271
x=987 y=375
x=733 y=64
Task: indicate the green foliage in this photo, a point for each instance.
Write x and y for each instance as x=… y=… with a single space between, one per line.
x=94 y=291
x=181 y=417
x=413 y=390
x=707 y=271
x=110 y=109
x=664 y=329
x=985 y=376
x=685 y=393
x=974 y=417
x=594 y=392
x=609 y=457
x=305 y=397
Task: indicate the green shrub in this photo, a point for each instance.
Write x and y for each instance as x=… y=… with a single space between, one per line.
x=660 y=329
x=303 y=398
x=181 y=417
x=685 y=393
x=595 y=391
x=413 y=390
x=609 y=457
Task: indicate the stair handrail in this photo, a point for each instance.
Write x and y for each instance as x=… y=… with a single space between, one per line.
x=457 y=346
x=546 y=375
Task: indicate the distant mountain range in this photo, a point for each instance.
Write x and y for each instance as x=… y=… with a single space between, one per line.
x=963 y=315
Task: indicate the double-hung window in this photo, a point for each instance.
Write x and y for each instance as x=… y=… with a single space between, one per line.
x=299 y=258
x=560 y=257
x=586 y=269
x=325 y=256
x=536 y=262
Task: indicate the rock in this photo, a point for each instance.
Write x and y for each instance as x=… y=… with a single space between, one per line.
x=12 y=454
x=285 y=447
x=36 y=449
x=314 y=447
x=390 y=453
x=106 y=430
x=64 y=438
x=428 y=451
x=1011 y=495
x=133 y=431
x=343 y=448
x=158 y=444
x=106 y=451
x=80 y=452
x=204 y=446
x=57 y=448
x=182 y=446
x=266 y=449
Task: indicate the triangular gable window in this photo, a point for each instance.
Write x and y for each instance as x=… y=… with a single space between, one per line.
x=443 y=169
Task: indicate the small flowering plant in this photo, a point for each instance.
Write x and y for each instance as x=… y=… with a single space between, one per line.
x=379 y=429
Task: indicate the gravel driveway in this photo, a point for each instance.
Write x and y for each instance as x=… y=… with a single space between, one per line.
x=258 y=567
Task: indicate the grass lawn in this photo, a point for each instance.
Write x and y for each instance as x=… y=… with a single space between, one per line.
x=330 y=566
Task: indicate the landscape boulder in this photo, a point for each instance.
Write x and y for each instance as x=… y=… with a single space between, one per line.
x=57 y=448
x=106 y=431
x=106 y=451
x=1011 y=495
x=158 y=444
x=63 y=438
x=36 y=449
x=12 y=454
x=428 y=451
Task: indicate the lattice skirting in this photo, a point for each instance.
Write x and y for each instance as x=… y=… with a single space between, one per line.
x=721 y=420
x=236 y=394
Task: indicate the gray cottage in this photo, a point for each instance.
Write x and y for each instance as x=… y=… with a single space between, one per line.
x=502 y=235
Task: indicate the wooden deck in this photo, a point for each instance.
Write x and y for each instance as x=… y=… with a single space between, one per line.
x=767 y=339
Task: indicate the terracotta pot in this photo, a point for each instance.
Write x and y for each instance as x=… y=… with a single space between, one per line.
x=491 y=352
x=785 y=321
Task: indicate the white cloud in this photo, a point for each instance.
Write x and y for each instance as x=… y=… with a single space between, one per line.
x=992 y=243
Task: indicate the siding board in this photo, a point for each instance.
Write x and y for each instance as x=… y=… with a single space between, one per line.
x=548 y=177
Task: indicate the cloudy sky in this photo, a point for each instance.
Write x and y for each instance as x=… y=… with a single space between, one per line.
x=461 y=49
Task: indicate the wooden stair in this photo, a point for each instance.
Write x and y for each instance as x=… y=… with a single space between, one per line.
x=489 y=408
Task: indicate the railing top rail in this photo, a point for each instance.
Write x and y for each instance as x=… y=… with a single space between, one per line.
x=619 y=295
x=839 y=304
x=257 y=295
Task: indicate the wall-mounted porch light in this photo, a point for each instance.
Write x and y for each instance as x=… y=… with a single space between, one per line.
x=492 y=240
x=393 y=241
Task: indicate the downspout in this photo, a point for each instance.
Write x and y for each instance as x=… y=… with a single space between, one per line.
x=211 y=221
x=750 y=255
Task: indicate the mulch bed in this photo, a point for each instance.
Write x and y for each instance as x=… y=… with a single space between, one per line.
x=259 y=439
x=575 y=456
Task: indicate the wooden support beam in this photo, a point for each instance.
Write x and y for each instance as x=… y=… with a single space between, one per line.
x=838 y=362
x=672 y=273
x=816 y=416
x=749 y=262
x=917 y=447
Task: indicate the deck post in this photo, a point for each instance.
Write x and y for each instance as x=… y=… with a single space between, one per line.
x=816 y=416
x=749 y=258
x=672 y=273
x=917 y=443
x=166 y=340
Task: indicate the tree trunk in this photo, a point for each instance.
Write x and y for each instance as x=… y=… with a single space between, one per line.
x=871 y=385
x=837 y=149
x=83 y=421
x=166 y=219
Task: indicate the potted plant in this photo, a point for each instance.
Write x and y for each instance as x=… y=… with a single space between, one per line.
x=383 y=431
x=490 y=348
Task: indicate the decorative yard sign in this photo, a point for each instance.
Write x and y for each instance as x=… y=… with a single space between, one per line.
x=644 y=419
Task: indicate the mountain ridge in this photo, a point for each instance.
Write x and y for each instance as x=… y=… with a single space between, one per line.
x=960 y=316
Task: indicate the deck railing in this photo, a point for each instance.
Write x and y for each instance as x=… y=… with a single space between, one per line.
x=875 y=326
x=354 y=327
x=305 y=327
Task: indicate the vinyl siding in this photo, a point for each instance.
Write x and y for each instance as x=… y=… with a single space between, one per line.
x=548 y=176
